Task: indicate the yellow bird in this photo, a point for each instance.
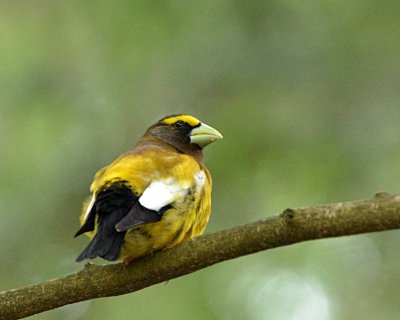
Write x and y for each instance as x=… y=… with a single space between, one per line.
x=152 y=197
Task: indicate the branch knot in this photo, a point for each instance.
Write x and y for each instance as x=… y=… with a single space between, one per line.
x=288 y=214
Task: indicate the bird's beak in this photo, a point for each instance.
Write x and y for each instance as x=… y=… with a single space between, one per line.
x=204 y=135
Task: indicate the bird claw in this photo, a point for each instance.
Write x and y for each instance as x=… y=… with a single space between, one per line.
x=127 y=261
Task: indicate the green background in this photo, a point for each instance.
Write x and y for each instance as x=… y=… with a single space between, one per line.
x=306 y=94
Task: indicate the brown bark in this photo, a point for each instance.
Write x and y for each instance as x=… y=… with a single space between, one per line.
x=292 y=226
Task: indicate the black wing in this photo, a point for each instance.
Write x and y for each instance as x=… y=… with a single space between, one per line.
x=89 y=222
x=117 y=209
x=139 y=215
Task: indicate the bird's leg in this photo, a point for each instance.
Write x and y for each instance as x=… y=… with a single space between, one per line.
x=127 y=261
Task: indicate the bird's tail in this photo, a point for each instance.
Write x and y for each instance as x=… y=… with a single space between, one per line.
x=110 y=207
x=107 y=242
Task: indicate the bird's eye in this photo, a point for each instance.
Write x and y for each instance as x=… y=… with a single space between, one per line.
x=179 y=124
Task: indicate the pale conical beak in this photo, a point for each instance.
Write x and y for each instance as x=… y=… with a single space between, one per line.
x=204 y=135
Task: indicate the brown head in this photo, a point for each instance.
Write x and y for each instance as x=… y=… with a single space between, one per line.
x=185 y=133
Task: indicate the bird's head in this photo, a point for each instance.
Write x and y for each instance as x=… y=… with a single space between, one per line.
x=184 y=132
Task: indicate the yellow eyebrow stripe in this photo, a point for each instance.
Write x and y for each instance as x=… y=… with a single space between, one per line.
x=192 y=121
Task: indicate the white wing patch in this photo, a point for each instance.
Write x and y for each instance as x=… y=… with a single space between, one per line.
x=161 y=193
x=91 y=203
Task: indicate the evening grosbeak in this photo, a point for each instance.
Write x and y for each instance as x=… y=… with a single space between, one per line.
x=152 y=197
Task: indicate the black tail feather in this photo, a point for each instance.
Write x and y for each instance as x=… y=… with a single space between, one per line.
x=108 y=248
x=111 y=205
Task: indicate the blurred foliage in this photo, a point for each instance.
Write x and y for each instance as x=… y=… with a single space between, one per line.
x=306 y=94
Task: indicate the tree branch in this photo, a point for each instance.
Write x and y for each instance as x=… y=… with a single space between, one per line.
x=292 y=226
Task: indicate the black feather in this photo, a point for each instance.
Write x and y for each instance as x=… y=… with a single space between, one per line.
x=89 y=223
x=111 y=206
x=139 y=215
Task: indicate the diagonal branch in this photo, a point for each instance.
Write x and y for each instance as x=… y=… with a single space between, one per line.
x=292 y=226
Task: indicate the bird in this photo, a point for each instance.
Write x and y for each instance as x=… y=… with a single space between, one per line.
x=152 y=197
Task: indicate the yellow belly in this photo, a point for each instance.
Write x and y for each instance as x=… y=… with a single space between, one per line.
x=177 y=225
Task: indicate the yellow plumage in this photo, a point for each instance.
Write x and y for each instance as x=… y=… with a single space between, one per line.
x=161 y=188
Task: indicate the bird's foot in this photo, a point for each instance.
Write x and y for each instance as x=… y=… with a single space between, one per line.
x=127 y=261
